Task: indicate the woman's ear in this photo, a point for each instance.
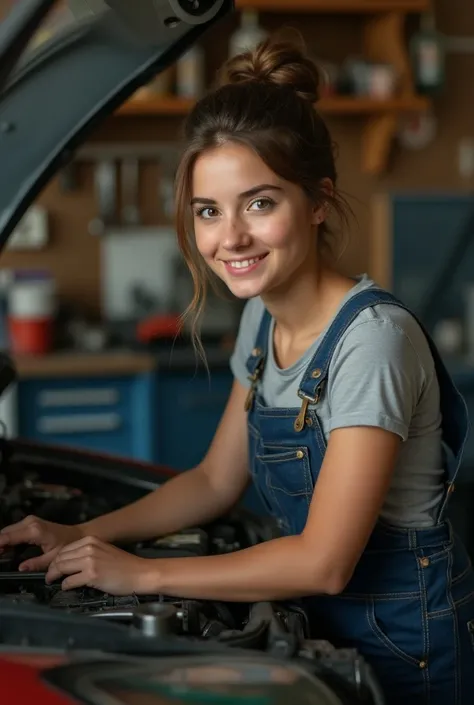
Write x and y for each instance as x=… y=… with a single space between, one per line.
x=319 y=214
x=321 y=210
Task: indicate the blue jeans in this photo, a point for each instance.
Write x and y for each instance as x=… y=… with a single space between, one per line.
x=409 y=607
x=409 y=610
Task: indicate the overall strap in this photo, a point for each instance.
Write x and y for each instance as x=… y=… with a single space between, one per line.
x=455 y=417
x=256 y=359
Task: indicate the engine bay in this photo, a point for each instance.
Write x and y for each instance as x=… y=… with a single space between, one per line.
x=35 y=615
x=69 y=505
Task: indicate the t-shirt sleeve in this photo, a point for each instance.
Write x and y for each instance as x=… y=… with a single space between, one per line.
x=246 y=337
x=375 y=378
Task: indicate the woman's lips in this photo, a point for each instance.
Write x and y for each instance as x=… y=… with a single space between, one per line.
x=239 y=267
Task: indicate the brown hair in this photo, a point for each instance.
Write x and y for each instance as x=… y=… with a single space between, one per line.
x=264 y=100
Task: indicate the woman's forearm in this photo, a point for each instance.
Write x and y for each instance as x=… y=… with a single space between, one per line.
x=279 y=569
x=184 y=501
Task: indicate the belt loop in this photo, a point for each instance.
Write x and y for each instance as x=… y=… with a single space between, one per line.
x=412 y=539
x=450 y=530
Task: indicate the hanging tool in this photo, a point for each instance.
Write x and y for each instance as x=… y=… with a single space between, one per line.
x=130 y=173
x=106 y=190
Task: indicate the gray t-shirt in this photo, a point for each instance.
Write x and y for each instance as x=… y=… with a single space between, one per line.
x=381 y=374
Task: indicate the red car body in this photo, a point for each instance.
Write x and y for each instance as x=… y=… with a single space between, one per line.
x=22 y=684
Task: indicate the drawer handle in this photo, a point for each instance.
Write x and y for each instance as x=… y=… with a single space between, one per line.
x=79 y=423
x=51 y=398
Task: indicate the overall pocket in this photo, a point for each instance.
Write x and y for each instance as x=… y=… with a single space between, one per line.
x=257 y=472
x=289 y=484
x=400 y=626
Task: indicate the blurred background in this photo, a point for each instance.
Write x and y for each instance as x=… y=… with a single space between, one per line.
x=92 y=284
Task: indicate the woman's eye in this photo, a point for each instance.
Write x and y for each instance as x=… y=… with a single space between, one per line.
x=262 y=204
x=206 y=213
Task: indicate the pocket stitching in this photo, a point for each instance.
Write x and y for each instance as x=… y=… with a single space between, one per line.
x=289 y=455
x=470 y=629
x=279 y=457
x=306 y=472
x=464 y=573
x=439 y=555
x=383 y=638
x=253 y=430
x=281 y=513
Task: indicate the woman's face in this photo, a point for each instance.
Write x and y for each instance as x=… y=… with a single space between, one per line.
x=254 y=229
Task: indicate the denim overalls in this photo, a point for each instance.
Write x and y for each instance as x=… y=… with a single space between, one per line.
x=409 y=607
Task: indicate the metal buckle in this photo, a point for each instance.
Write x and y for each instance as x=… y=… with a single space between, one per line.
x=307 y=400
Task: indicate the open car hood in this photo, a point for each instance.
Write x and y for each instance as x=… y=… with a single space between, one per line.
x=54 y=96
x=51 y=98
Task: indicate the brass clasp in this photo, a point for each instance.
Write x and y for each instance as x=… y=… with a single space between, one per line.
x=253 y=384
x=307 y=400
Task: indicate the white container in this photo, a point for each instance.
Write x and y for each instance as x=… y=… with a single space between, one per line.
x=248 y=35
x=190 y=74
x=32 y=298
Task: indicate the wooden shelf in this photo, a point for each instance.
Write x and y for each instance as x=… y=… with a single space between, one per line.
x=383 y=42
x=342 y=105
x=337 y=105
x=156 y=106
x=334 y=6
x=379 y=132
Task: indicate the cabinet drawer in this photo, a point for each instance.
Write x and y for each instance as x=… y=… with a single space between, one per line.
x=78 y=397
x=112 y=415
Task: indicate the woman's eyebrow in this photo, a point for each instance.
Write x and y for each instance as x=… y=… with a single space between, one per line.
x=245 y=194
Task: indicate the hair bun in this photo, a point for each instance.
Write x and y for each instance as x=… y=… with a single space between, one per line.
x=275 y=61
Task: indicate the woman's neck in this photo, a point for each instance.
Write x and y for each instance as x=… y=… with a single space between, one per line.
x=303 y=309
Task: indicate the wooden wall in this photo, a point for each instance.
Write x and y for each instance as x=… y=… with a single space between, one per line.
x=73 y=255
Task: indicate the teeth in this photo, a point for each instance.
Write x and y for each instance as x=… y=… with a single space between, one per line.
x=241 y=264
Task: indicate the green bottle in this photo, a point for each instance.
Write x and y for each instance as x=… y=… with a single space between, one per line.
x=427 y=52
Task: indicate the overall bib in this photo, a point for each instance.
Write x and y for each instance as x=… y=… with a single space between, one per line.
x=409 y=607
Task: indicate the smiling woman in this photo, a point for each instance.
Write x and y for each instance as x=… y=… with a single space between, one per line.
x=254 y=237
x=257 y=143
x=342 y=412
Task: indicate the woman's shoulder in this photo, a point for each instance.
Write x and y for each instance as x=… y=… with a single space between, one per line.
x=386 y=319
x=389 y=335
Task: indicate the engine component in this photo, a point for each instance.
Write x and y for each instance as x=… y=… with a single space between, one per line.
x=155 y=619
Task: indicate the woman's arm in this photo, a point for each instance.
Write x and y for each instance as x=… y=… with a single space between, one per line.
x=349 y=494
x=375 y=383
x=350 y=491
x=192 y=497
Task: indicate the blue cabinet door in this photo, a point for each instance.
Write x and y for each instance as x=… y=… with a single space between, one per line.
x=424 y=229
x=112 y=415
x=190 y=406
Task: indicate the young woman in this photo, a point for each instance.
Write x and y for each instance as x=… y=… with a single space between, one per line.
x=341 y=411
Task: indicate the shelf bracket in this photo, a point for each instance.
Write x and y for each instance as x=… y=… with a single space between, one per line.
x=384 y=42
x=379 y=133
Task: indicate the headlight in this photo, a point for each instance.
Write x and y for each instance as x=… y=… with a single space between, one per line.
x=195 y=11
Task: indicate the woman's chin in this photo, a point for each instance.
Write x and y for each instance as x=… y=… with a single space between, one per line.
x=245 y=289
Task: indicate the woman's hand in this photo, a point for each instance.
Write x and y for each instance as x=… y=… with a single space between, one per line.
x=93 y=563
x=37 y=532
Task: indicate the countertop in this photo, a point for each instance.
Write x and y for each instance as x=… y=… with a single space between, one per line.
x=69 y=363
x=116 y=362
x=129 y=361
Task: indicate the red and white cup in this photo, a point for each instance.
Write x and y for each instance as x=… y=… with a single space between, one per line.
x=31 y=311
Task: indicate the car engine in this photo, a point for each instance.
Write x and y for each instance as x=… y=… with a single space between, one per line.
x=70 y=505
x=34 y=614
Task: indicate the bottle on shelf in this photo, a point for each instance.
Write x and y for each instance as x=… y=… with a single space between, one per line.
x=248 y=35
x=428 y=56
x=190 y=73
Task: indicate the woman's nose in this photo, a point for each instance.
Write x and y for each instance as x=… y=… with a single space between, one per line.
x=236 y=235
